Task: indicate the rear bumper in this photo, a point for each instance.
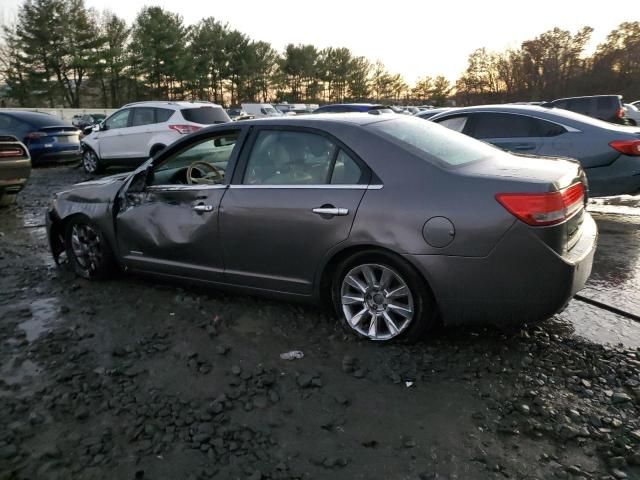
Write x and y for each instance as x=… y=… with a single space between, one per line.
x=521 y=280
x=14 y=175
x=622 y=177
x=54 y=155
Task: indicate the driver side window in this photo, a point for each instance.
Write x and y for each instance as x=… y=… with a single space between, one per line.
x=201 y=163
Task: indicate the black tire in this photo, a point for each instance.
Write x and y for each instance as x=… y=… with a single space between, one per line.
x=420 y=300
x=91 y=162
x=633 y=123
x=98 y=262
x=7 y=199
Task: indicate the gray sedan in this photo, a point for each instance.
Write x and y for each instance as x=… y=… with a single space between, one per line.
x=397 y=221
x=609 y=153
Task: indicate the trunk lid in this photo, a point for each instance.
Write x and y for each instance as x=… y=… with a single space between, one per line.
x=533 y=177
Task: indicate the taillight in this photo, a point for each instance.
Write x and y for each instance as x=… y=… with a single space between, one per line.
x=628 y=147
x=35 y=135
x=620 y=113
x=540 y=209
x=11 y=152
x=184 y=129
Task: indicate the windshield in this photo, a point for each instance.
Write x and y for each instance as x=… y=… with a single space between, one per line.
x=205 y=115
x=434 y=141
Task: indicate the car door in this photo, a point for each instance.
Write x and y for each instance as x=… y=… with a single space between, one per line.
x=137 y=135
x=294 y=196
x=170 y=226
x=513 y=132
x=110 y=136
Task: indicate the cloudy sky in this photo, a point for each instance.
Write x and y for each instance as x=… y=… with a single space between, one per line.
x=413 y=38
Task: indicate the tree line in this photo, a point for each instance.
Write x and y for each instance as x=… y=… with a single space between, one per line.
x=60 y=53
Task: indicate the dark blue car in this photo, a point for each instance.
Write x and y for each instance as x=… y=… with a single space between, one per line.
x=353 y=107
x=47 y=137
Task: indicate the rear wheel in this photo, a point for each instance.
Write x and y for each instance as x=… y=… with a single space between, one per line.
x=382 y=298
x=87 y=250
x=91 y=162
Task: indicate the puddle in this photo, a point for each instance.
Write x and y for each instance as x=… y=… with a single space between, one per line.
x=597 y=325
x=44 y=312
x=12 y=374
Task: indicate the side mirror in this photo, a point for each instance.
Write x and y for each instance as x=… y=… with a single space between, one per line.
x=88 y=130
x=102 y=126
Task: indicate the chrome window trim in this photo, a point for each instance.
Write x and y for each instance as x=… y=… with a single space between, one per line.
x=177 y=188
x=306 y=187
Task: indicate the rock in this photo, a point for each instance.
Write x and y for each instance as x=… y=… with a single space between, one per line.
x=236 y=370
x=524 y=409
x=619 y=474
x=8 y=451
x=620 y=397
x=304 y=380
x=617 y=462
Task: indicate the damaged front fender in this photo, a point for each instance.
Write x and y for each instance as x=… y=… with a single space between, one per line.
x=93 y=200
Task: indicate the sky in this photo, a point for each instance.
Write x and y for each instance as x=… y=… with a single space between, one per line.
x=411 y=37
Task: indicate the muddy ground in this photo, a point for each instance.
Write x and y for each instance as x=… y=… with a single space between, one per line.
x=133 y=379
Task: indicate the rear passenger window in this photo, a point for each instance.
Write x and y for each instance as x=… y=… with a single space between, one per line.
x=163 y=114
x=503 y=125
x=454 y=123
x=605 y=103
x=142 y=116
x=346 y=171
x=547 y=129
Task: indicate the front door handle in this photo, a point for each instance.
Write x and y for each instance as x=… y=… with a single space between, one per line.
x=340 y=212
x=201 y=207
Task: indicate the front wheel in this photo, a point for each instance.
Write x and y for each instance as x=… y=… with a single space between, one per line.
x=87 y=250
x=382 y=298
x=91 y=162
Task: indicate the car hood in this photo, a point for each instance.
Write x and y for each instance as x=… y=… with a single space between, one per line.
x=102 y=190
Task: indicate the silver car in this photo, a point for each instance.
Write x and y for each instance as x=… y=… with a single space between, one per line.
x=609 y=153
x=398 y=222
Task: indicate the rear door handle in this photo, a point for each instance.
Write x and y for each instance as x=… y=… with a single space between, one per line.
x=201 y=207
x=340 y=212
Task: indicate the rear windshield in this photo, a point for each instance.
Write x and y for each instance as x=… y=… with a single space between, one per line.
x=437 y=142
x=205 y=115
x=42 y=119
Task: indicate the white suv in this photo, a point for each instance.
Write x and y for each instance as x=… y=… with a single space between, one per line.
x=140 y=130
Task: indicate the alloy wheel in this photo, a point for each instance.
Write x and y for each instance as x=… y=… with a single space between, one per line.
x=87 y=250
x=376 y=302
x=90 y=161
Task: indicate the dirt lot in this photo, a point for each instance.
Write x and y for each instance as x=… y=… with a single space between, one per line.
x=132 y=379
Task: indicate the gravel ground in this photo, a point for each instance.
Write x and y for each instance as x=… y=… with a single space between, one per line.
x=133 y=379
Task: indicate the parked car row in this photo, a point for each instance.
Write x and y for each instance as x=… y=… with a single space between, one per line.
x=141 y=130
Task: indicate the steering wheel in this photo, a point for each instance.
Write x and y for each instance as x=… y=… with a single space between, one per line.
x=210 y=174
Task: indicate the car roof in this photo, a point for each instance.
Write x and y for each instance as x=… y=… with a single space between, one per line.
x=37 y=118
x=550 y=113
x=585 y=97
x=322 y=118
x=175 y=104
